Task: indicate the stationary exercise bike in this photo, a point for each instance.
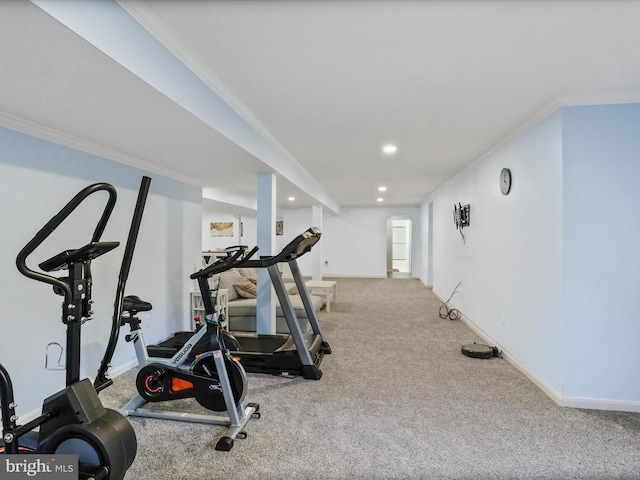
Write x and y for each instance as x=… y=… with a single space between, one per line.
x=200 y=368
x=73 y=421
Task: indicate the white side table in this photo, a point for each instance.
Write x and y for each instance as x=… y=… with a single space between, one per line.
x=221 y=306
x=328 y=289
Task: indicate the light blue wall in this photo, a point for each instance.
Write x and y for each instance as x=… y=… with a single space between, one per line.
x=37 y=178
x=354 y=243
x=510 y=261
x=601 y=252
x=550 y=272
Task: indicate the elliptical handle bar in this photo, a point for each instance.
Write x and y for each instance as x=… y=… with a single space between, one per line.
x=55 y=222
x=101 y=381
x=227 y=263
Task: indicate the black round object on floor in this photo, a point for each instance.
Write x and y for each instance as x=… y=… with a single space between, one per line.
x=477 y=350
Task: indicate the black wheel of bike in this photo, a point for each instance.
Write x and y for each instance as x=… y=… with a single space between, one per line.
x=214 y=399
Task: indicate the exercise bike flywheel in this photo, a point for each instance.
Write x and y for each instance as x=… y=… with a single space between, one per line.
x=213 y=399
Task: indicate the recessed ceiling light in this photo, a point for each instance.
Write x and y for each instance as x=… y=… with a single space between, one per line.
x=382 y=188
x=380 y=199
x=291 y=199
x=390 y=148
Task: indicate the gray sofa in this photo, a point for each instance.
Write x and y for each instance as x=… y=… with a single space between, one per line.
x=242 y=302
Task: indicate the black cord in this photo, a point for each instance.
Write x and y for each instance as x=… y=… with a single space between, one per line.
x=445 y=311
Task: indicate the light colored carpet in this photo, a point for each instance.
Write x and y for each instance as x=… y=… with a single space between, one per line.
x=397 y=401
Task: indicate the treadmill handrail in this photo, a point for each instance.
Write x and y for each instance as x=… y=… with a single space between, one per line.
x=296 y=248
x=226 y=263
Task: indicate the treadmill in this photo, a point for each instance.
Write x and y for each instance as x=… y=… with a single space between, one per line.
x=292 y=354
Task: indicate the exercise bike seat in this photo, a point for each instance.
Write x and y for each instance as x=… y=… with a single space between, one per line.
x=134 y=304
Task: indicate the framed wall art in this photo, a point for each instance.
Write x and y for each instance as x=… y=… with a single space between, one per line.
x=221 y=229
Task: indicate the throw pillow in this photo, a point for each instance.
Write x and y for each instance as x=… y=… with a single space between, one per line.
x=213 y=282
x=245 y=289
x=249 y=272
x=227 y=279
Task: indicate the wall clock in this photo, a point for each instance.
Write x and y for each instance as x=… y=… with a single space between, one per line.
x=505 y=181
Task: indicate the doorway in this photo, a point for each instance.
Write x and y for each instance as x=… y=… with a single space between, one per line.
x=399 y=247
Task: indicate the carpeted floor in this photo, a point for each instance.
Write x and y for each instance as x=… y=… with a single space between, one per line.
x=397 y=401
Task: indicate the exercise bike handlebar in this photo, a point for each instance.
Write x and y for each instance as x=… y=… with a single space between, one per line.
x=55 y=222
x=227 y=263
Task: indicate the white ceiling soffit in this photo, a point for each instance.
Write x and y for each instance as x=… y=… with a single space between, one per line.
x=225 y=201
x=224 y=196
x=109 y=28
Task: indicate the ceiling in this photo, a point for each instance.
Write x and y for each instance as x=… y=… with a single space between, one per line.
x=312 y=89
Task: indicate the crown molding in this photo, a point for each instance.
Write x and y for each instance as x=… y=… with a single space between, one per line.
x=54 y=136
x=145 y=16
x=556 y=103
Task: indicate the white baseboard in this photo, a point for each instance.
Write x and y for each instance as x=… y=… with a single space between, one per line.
x=569 y=402
x=600 y=404
x=116 y=372
x=541 y=384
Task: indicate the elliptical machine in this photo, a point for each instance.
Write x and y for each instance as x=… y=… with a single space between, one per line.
x=73 y=421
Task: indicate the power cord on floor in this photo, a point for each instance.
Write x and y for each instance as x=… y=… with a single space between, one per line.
x=450 y=313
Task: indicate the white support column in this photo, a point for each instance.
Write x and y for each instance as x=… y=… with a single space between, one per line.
x=316 y=251
x=266 y=226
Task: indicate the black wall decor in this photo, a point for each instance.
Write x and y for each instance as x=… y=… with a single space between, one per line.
x=461 y=217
